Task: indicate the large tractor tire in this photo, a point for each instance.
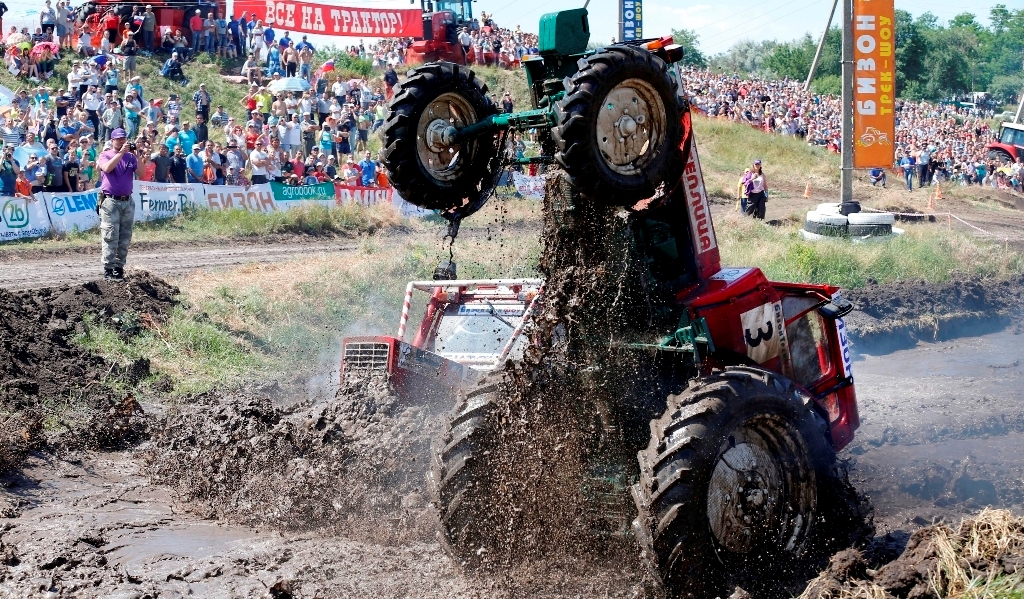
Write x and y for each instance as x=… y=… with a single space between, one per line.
x=460 y=480
x=731 y=481
x=424 y=164
x=618 y=127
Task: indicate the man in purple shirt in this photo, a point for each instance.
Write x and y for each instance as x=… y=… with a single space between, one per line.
x=117 y=208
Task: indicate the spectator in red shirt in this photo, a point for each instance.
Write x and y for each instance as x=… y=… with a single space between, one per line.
x=196 y=25
x=111 y=22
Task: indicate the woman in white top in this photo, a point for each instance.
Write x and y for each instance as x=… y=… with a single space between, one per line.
x=757 y=190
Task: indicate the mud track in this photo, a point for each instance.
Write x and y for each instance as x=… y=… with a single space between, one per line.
x=33 y=269
x=188 y=514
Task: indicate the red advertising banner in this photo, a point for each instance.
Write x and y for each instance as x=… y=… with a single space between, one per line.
x=874 y=85
x=310 y=17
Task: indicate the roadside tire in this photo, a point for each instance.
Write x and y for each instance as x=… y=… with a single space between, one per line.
x=620 y=83
x=870 y=230
x=872 y=218
x=825 y=230
x=436 y=94
x=688 y=512
x=837 y=220
x=828 y=208
x=849 y=208
x=459 y=481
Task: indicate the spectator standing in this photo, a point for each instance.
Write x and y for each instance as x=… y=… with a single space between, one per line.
x=179 y=165
x=148 y=28
x=507 y=106
x=162 y=160
x=757 y=191
x=202 y=100
x=117 y=209
x=186 y=137
x=195 y=24
x=201 y=131
x=907 y=163
x=129 y=49
x=369 y=171
x=259 y=160
x=9 y=171
x=48 y=19
x=195 y=164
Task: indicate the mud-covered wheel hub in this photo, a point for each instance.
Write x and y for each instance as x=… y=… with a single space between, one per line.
x=631 y=122
x=438 y=153
x=762 y=489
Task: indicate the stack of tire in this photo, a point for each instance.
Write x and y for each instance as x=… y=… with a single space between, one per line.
x=828 y=220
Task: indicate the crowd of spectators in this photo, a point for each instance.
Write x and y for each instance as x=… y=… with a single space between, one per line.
x=943 y=142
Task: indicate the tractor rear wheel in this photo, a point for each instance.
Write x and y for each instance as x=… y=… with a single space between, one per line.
x=730 y=481
x=460 y=479
x=618 y=126
x=425 y=164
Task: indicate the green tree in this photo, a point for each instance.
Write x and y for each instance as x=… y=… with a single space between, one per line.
x=692 y=56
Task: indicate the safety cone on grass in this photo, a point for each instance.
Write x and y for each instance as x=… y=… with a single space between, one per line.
x=937 y=196
x=807 y=192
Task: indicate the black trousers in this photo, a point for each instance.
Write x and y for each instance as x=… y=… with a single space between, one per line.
x=756 y=204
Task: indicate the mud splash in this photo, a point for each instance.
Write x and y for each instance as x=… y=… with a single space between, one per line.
x=353 y=465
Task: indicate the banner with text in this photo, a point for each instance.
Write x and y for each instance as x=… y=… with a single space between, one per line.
x=874 y=86
x=313 y=17
x=72 y=211
x=287 y=196
x=23 y=219
x=631 y=17
x=364 y=196
x=154 y=201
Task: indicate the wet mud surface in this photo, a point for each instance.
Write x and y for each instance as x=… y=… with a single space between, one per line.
x=256 y=493
x=942 y=429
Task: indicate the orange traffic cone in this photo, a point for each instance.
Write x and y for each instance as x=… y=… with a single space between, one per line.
x=807 y=192
x=938 y=191
x=930 y=206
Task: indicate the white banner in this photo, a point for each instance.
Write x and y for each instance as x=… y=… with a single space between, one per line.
x=23 y=219
x=529 y=187
x=258 y=198
x=154 y=201
x=73 y=211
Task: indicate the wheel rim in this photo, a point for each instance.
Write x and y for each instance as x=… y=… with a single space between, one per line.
x=762 y=491
x=630 y=126
x=439 y=156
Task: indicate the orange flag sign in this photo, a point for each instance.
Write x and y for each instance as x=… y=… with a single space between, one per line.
x=874 y=83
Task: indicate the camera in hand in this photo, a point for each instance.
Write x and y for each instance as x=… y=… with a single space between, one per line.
x=131 y=147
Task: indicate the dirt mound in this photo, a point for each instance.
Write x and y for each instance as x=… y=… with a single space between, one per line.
x=922 y=310
x=345 y=465
x=982 y=557
x=46 y=375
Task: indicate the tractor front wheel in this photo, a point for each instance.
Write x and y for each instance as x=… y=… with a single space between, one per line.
x=618 y=126
x=460 y=479
x=730 y=481
x=427 y=166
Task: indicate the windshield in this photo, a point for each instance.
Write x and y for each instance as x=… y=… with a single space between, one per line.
x=479 y=327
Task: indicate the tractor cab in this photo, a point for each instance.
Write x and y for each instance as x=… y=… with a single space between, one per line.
x=469 y=328
x=1010 y=144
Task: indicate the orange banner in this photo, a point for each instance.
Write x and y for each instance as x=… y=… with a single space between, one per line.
x=874 y=83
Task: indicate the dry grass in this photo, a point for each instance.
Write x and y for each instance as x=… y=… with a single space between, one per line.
x=967 y=562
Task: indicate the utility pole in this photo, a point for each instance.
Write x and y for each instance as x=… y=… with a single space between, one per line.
x=1020 y=109
x=821 y=46
x=846 y=176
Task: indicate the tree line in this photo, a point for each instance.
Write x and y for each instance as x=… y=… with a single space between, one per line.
x=934 y=60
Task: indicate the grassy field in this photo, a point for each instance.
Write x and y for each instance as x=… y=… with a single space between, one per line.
x=262 y=320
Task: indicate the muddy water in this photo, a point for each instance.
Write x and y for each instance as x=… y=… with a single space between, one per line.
x=942 y=430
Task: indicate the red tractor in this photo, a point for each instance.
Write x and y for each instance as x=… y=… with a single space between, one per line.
x=738 y=391
x=1010 y=146
x=441 y=30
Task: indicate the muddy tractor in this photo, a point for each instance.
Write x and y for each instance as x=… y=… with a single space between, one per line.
x=733 y=393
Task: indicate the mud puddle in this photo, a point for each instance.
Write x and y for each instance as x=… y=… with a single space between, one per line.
x=942 y=430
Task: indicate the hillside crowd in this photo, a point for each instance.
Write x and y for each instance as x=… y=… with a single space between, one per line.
x=940 y=142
